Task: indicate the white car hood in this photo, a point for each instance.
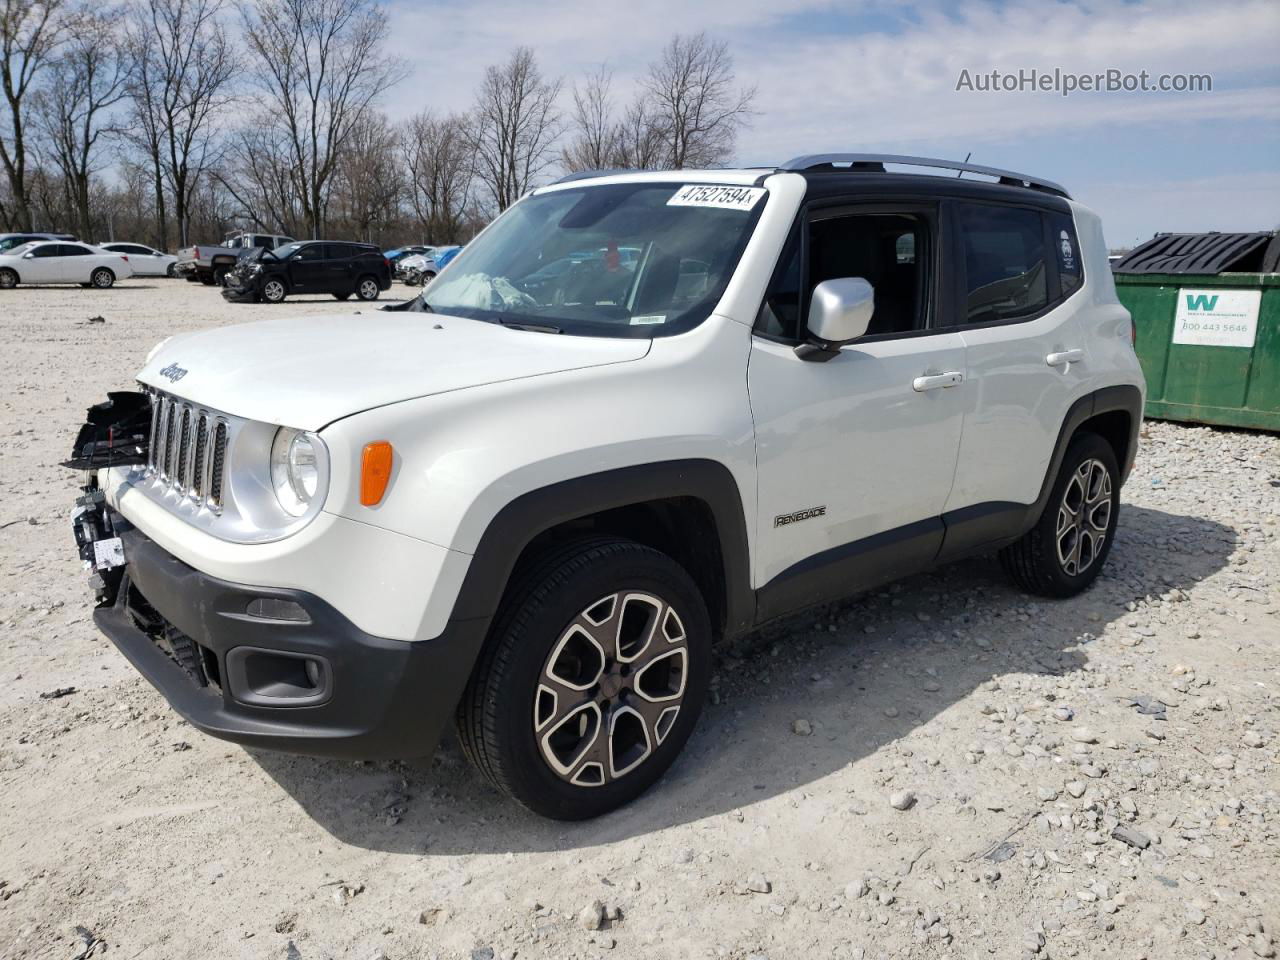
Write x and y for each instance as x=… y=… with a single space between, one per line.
x=310 y=371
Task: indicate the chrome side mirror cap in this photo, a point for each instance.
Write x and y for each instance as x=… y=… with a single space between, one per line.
x=839 y=313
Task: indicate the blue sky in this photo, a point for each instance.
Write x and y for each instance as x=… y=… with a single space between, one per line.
x=870 y=76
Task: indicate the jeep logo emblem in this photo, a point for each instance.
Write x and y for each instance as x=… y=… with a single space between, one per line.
x=173 y=372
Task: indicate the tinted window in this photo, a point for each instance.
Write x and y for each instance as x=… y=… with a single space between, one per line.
x=1004 y=262
x=72 y=250
x=883 y=249
x=50 y=250
x=341 y=251
x=312 y=251
x=1066 y=247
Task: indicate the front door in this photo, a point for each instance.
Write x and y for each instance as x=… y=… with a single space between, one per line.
x=855 y=455
x=307 y=269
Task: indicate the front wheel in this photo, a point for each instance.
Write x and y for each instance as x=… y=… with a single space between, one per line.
x=1064 y=552
x=273 y=291
x=367 y=288
x=592 y=680
x=8 y=279
x=102 y=278
x=171 y=271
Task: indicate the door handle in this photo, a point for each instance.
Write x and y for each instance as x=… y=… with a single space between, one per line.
x=1066 y=356
x=936 y=381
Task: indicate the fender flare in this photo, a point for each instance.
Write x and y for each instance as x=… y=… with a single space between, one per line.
x=517 y=524
x=1125 y=397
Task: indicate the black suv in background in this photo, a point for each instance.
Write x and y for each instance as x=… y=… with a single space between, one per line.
x=309 y=266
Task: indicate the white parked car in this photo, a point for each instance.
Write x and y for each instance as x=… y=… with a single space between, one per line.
x=145 y=261
x=62 y=262
x=532 y=513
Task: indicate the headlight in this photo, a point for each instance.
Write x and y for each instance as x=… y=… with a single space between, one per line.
x=295 y=470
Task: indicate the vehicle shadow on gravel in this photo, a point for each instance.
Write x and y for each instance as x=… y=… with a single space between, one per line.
x=933 y=640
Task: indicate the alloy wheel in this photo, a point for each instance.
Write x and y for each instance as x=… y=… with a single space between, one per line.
x=368 y=290
x=1084 y=516
x=611 y=689
x=273 y=291
x=102 y=279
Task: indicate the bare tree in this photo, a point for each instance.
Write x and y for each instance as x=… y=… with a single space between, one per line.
x=86 y=81
x=369 y=181
x=696 y=102
x=515 y=127
x=183 y=74
x=30 y=33
x=319 y=66
x=436 y=152
x=263 y=182
x=641 y=139
x=594 y=144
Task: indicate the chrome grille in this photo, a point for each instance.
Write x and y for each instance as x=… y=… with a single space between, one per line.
x=187 y=453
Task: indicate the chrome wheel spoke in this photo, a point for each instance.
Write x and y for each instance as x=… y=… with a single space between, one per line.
x=612 y=688
x=1084 y=517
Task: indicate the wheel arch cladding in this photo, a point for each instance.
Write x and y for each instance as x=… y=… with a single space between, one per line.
x=688 y=509
x=1113 y=412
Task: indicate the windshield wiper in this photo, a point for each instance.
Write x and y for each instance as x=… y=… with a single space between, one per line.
x=531 y=327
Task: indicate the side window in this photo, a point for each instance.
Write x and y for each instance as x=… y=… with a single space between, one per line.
x=312 y=251
x=885 y=249
x=1062 y=234
x=342 y=251
x=1004 y=262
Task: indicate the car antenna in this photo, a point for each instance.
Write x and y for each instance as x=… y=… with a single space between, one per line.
x=960 y=173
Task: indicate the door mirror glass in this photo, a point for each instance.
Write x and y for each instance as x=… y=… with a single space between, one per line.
x=840 y=310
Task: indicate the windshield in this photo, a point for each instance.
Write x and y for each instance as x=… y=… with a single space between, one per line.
x=620 y=260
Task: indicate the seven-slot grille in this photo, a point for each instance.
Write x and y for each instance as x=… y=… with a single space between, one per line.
x=188 y=450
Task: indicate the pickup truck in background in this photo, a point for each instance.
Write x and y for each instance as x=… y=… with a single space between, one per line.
x=208 y=264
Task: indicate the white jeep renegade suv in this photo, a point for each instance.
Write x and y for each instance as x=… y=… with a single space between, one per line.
x=639 y=413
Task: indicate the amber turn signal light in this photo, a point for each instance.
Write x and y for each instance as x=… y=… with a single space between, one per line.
x=375 y=472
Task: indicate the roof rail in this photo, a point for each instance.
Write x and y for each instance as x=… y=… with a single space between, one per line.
x=874 y=163
x=591 y=174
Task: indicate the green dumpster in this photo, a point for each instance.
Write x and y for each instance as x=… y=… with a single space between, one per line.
x=1208 y=331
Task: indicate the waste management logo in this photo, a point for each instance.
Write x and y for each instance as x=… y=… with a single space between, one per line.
x=1217 y=318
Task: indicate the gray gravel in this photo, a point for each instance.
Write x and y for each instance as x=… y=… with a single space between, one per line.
x=1091 y=778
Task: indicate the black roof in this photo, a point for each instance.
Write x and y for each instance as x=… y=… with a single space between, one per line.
x=1203 y=254
x=839 y=183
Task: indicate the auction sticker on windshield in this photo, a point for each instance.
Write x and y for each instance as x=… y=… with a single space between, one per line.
x=721 y=197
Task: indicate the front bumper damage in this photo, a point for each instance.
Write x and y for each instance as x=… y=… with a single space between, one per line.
x=276 y=668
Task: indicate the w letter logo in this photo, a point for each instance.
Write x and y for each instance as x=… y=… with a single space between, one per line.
x=1202 y=301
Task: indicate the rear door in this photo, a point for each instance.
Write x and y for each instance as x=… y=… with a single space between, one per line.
x=1025 y=355
x=339 y=267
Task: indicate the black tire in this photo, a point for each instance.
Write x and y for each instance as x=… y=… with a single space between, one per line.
x=8 y=279
x=367 y=288
x=342 y=296
x=497 y=715
x=102 y=278
x=272 y=290
x=220 y=276
x=206 y=279
x=427 y=277
x=1035 y=563
x=171 y=271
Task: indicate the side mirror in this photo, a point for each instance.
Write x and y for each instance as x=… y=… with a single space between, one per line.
x=839 y=313
x=28 y=256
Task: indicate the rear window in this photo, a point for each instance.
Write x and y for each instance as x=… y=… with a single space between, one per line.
x=1062 y=232
x=1005 y=267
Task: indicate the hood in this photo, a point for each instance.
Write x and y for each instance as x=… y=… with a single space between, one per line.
x=310 y=371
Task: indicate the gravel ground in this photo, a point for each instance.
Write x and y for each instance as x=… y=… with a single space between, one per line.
x=941 y=769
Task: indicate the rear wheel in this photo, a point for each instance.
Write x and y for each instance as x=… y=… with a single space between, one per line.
x=8 y=279
x=273 y=290
x=220 y=276
x=171 y=271
x=102 y=278
x=592 y=680
x=367 y=288
x=206 y=279
x=1064 y=552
